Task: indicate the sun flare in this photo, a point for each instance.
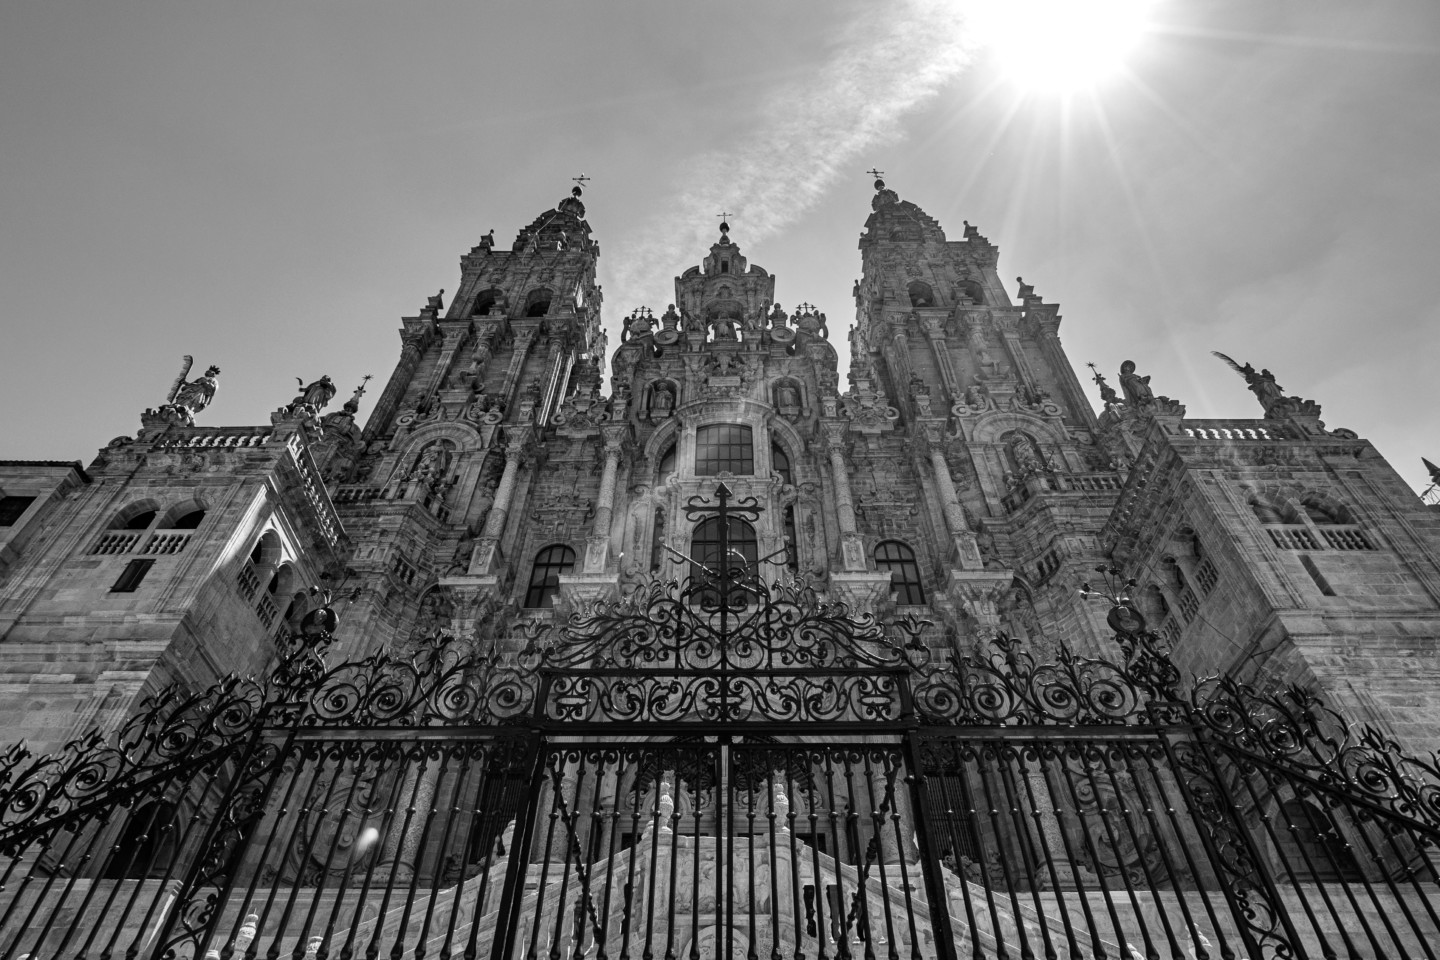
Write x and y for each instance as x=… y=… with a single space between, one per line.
x=1060 y=46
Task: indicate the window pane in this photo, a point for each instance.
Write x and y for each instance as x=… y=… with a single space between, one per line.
x=724 y=448
x=132 y=575
x=705 y=551
x=899 y=560
x=550 y=563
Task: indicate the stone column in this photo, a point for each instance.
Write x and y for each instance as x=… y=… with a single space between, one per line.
x=935 y=332
x=597 y=551
x=524 y=337
x=967 y=552
x=852 y=554
x=486 y=547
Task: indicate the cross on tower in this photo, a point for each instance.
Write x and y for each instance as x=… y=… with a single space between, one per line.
x=581 y=180
x=875 y=173
x=723 y=215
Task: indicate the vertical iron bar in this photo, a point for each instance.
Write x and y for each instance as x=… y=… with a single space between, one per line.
x=385 y=749
x=628 y=916
x=461 y=752
x=77 y=837
x=1013 y=769
x=838 y=919
x=1088 y=751
x=1075 y=750
x=318 y=751
x=895 y=760
x=933 y=866
x=1011 y=884
x=877 y=823
x=1038 y=748
x=674 y=829
x=1183 y=842
x=512 y=896
x=1056 y=753
x=1147 y=806
x=346 y=751
x=555 y=764
x=1262 y=870
x=1212 y=851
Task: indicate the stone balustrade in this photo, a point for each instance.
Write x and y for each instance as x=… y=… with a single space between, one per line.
x=213 y=437
x=160 y=542
x=1230 y=430
x=112 y=542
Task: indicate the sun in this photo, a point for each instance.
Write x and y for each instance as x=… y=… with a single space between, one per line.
x=1060 y=46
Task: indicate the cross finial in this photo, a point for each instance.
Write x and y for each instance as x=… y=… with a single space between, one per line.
x=723 y=215
x=581 y=180
x=875 y=173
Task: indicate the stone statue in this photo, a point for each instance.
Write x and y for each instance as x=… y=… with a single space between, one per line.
x=787 y=395
x=315 y=396
x=431 y=465
x=662 y=399
x=1135 y=387
x=189 y=397
x=1270 y=394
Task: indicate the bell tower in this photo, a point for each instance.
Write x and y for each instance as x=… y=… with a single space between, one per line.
x=437 y=490
x=996 y=421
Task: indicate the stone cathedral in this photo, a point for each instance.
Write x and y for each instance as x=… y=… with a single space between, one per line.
x=959 y=471
x=956 y=474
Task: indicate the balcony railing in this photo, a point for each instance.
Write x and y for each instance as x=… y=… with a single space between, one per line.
x=112 y=542
x=159 y=542
x=1292 y=536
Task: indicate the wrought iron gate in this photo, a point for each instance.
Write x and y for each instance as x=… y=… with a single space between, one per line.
x=723 y=768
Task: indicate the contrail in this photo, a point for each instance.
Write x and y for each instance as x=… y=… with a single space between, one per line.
x=886 y=63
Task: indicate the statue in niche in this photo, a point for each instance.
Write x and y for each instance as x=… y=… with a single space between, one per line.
x=189 y=397
x=1026 y=455
x=693 y=324
x=920 y=394
x=662 y=399
x=431 y=465
x=787 y=397
x=1135 y=387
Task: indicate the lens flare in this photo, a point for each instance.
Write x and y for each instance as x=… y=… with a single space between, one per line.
x=1060 y=46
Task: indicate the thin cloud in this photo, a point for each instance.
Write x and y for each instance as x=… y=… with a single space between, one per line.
x=883 y=65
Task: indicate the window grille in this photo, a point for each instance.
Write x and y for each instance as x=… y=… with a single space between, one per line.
x=705 y=550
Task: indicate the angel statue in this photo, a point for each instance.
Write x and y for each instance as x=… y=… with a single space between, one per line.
x=189 y=397
x=315 y=396
x=1270 y=394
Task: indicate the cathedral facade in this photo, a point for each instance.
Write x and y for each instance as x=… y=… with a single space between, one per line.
x=959 y=472
x=957 y=478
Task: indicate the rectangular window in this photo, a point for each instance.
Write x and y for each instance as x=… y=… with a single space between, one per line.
x=132 y=575
x=11 y=509
x=724 y=448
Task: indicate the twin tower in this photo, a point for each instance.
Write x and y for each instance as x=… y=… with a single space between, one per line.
x=957 y=471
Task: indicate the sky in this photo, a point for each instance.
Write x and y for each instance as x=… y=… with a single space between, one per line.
x=270 y=186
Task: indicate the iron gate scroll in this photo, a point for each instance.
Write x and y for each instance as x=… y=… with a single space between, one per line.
x=722 y=768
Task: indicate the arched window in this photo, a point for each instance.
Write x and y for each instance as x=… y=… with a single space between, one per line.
x=537 y=304
x=899 y=560
x=724 y=448
x=743 y=551
x=973 y=291
x=549 y=564
x=920 y=294
x=780 y=463
x=485 y=300
x=188 y=521
x=139 y=521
